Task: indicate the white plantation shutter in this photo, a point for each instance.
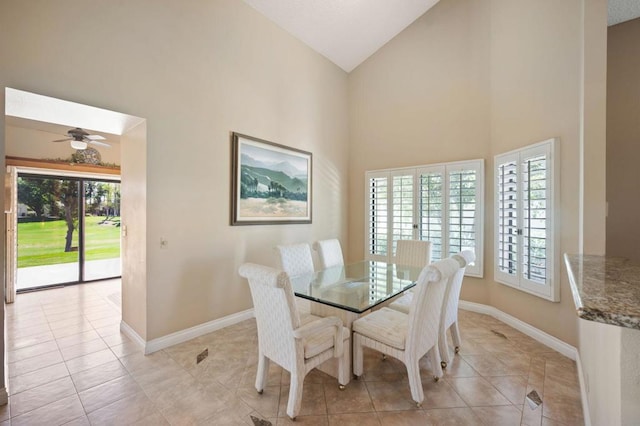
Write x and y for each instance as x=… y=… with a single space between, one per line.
x=525 y=198
x=403 y=211
x=431 y=202
x=465 y=217
x=378 y=190
x=534 y=213
x=440 y=203
x=507 y=218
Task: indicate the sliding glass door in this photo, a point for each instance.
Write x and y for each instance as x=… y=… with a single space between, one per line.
x=68 y=230
x=101 y=230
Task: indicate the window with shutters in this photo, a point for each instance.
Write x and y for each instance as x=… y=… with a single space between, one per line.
x=526 y=195
x=441 y=203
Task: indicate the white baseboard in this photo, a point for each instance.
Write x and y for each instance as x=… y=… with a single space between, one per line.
x=583 y=392
x=539 y=335
x=183 y=335
x=131 y=334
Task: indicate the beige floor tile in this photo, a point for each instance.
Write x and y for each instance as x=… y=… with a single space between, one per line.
x=563 y=409
x=267 y=403
x=353 y=399
x=110 y=330
x=40 y=396
x=97 y=375
x=28 y=365
x=168 y=388
x=80 y=421
x=38 y=377
x=91 y=360
x=477 y=391
x=71 y=330
x=458 y=367
x=19 y=342
x=27 y=330
x=440 y=394
x=76 y=339
x=233 y=412
x=512 y=387
x=106 y=393
x=391 y=396
x=303 y=420
x=31 y=351
x=70 y=322
x=531 y=417
x=403 y=418
x=84 y=348
x=63 y=315
x=486 y=364
x=124 y=411
x=192 y=407
x=59 y=412
x=506 y=415
x=313 y=400
x=125 y=348
x=155 y=419
x=105 y=322
x=354 y=419
x=451 y=416
x=114 y=339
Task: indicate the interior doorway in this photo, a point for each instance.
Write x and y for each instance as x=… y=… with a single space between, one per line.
x=68 y=230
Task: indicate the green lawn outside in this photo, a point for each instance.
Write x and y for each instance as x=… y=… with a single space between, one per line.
x=42 y=243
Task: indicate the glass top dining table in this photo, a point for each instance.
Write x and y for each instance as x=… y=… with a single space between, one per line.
x=356 y=287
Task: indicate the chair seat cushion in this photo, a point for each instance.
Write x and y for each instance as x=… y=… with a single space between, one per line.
x=402 y=303
x=386 y=325
x=322 y=341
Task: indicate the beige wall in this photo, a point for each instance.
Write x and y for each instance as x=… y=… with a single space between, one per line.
x=423 y=98
x=623 y=136
x=471 y=79
x=195 y=71
x=133 y=188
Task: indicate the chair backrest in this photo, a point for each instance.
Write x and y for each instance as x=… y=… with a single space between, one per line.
x=413 y=253
x=426 y=306
x=329 y=252
x=452 y=297
x=275 y=311
x=295 y=259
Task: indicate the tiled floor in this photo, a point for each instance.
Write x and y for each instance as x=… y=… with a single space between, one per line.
x=69 y=364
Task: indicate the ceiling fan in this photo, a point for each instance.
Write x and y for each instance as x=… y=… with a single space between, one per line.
x=80 y=138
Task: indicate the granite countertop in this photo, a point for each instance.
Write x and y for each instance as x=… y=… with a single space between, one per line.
x=605 y=289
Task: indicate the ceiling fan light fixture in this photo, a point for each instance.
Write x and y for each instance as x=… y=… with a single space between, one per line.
x=78 y=144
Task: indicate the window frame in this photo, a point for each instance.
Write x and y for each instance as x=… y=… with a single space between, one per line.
x=550 y=289
x=477 y=165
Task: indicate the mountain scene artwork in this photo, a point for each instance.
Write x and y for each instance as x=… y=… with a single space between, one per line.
x=274 y=182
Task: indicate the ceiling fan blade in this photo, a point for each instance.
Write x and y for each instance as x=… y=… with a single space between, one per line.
x=63 y=140
x=106 y=145
x=95 y=137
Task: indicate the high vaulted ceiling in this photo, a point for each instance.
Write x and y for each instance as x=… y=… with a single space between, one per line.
x=347 y=32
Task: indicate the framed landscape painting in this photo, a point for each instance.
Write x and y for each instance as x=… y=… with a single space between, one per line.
x=270 y=183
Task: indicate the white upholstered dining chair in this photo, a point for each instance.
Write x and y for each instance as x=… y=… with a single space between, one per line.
x=296 y=343
x=408 y=337
x=449 y=314
x=413 y=253
x=295 y=259
x=329 y=252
